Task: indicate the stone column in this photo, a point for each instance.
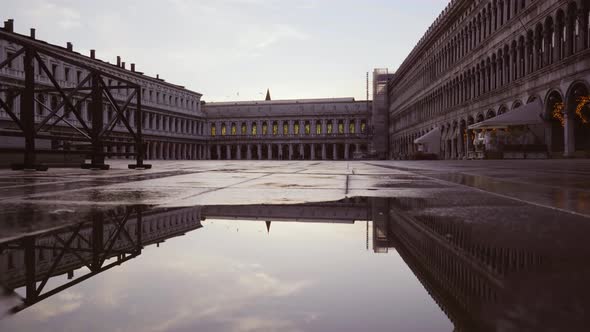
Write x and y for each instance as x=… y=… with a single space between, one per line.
x=218 y=147
x=269 y=147
x=239 y=152
x=302 y=151
x=249 y=151
x=324 y=157
x=547 y=58
x=346 y=154
x=228 y=152
x=312 y=151
x=335 y=151
x=290 y=151
x=582 y=41
x=259 y=147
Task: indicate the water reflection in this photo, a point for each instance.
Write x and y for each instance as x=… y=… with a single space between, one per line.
x=512 y=275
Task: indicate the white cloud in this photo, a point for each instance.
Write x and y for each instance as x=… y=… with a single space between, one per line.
x=64 y=16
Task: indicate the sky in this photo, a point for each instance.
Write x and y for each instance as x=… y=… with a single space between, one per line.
x=236 y=49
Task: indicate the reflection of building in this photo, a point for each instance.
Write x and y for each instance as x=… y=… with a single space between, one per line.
x=345 y=211
x=483 y=58
x=106 y=240
x=518 y=276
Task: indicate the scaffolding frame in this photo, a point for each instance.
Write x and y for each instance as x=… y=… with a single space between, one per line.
x=93 y=87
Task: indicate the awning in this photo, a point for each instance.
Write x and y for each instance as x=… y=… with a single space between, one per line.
x=432 y=136
x=529 y=114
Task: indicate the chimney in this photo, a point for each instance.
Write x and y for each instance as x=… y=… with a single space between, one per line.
x=92 y=54
x=70 y=46
x=118 y=61
x=158 y=76
x=133 y=67
x=123 y=65
x=9 y=25
x=32 y=33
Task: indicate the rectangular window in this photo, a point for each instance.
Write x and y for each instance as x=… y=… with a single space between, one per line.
x=78 y=77
x=54 y=71
x=8 y=55
x=66 y=74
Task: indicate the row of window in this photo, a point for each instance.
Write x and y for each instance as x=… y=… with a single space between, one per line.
x=297 y=129
x=544 y=45
x=76 y=76
x=150 y=120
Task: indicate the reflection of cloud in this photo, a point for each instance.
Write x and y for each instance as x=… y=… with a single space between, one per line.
x=228 y=289
x=250 y=324
x=66 y=302
x=262 y=283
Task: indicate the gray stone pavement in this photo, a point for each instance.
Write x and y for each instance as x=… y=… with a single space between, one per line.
x=495 y=191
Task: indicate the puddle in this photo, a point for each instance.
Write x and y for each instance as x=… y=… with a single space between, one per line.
x=403 y=264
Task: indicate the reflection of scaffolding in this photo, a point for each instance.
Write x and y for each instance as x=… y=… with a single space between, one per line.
x=90 y=244
x=106 y=239
x=92 y=87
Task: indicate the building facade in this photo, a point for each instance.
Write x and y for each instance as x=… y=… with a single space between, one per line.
x=304 y=129
x=173 y=122
x=177 y=124
x=483 y=58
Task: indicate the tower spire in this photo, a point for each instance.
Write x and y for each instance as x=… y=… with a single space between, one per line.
x=267 y=95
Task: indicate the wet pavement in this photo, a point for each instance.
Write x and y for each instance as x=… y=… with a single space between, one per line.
x=298 y=246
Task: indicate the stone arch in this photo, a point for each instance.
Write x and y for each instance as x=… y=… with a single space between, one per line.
x=553 y=114
x=490 y=114
x=532 y=98
x=577 y=103
x=516 y=104
x=479 y=117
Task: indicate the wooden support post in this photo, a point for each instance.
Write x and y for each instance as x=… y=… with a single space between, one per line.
x=96 y=108
x=27 y=115
x=139 y=147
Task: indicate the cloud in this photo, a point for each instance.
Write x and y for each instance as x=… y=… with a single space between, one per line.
x=66 y=302
x=280 y=33
x=64 y=16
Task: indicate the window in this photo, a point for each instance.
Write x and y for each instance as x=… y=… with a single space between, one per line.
x=275 y=128
x=244 y=129
x=54 y=70
x=307 y=128
x=234 y=129
x=351 y=127
x=66 y=74
x=254 y=129
x=296 y=128
x=264 y=128
x=223 y=129
x=363 y=127
x=8 y=55
x=285 y=128
x=213 y=130
x=318 y=128
x=329 y=127
x=78 y=77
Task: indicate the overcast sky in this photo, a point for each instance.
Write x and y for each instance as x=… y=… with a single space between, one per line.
x=236 y=49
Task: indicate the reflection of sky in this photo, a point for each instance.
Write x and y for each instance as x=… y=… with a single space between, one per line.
x=233 y=276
